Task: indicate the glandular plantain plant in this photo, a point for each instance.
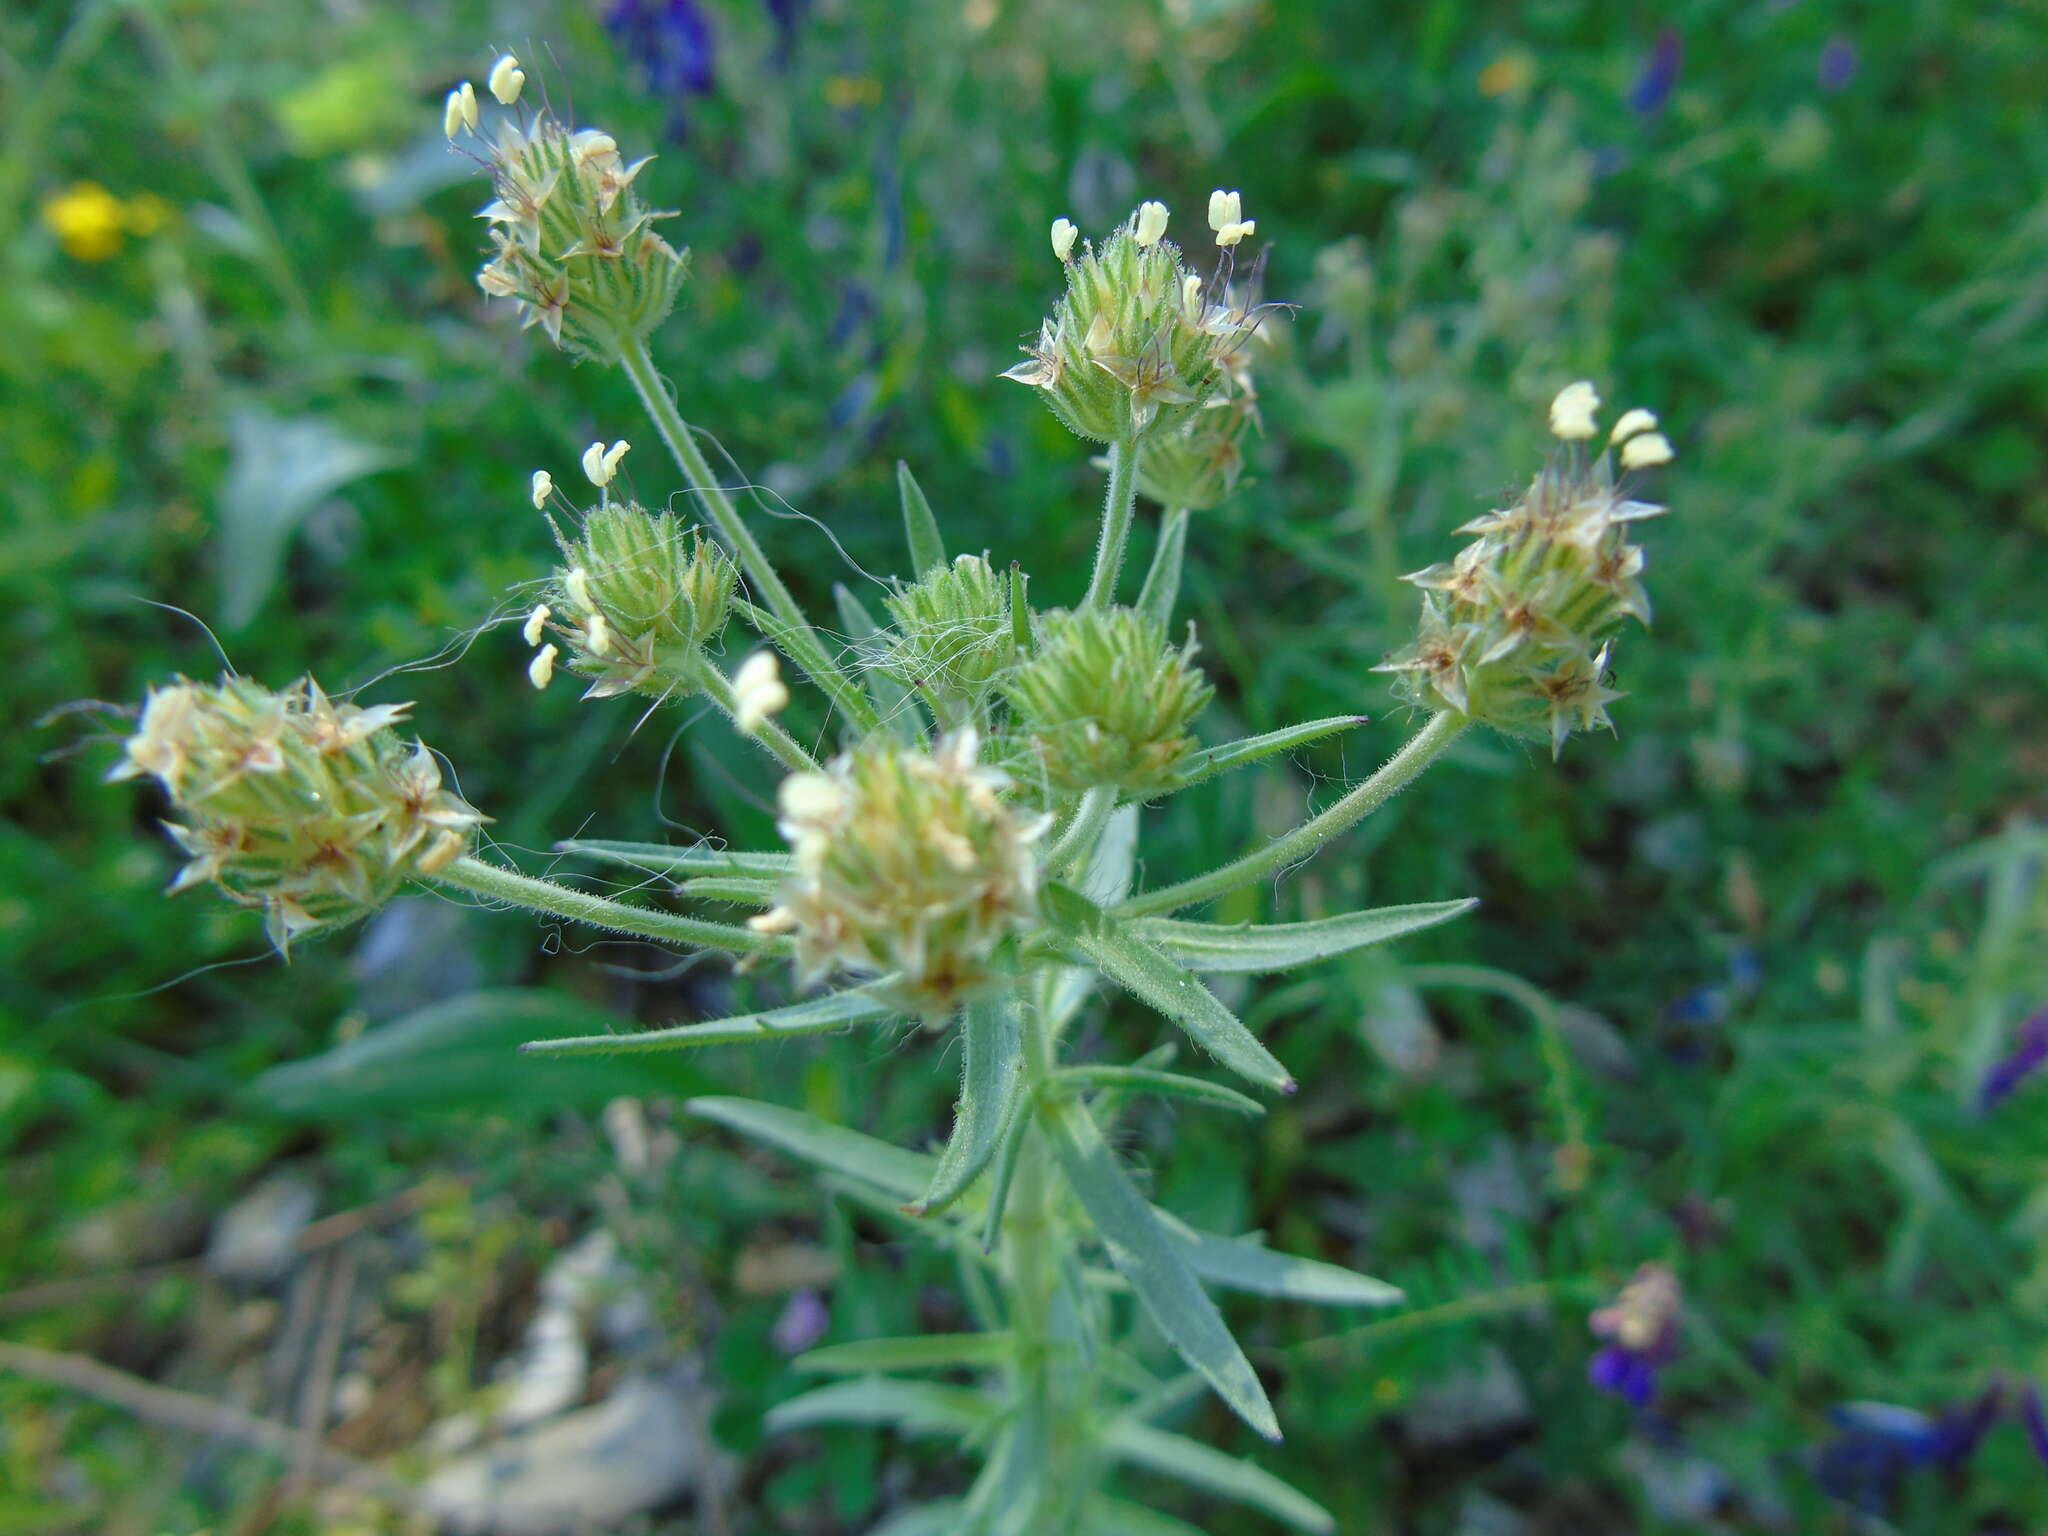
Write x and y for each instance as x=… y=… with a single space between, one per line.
x=966 y=860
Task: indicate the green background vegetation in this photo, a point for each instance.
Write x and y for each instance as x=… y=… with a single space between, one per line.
x=1782 y=925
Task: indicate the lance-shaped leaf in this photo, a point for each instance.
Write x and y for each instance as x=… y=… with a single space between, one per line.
x=1149 y=976
x=892 y=700
x=681 y=863
x=1240 y=1265
x=914 y=1352
x=1152 y=1260
x=1162 y=582
x=1229 y=1477
x=816 y=1016
x=1282 y=946
x=1112 y=868
x=834 y=1148
x=1105 y=1516
x=1166 y=1084
x=740 y=890
x=915 y=1407
x=920 y=526
x=1002 y=1176
x=941 y=1518
x=1210 y=761
x=991 y=1087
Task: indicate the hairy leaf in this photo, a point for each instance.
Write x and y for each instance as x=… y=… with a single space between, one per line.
x=916 y=1352
x=1240 y=1265
x=832 y=1147
x=819 y=1015
x=915 y=1407
x=991 y=1086
x=1168 y=1084
x=1282 y=946
x=1211 y=761
x=1229 y=1477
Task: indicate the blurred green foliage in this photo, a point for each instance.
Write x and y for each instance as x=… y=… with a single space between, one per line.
x=1780 y=929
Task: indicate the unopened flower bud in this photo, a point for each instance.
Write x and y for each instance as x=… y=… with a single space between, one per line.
x=637 y=598
x=953 y=634
x=572 y=243
x=313 y=812
x=1106 y=701
x=1518 y=629
x=1132 y=345
x=909 y=865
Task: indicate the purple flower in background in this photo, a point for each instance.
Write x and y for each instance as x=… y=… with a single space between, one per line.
x=787 y=14
x=671 y=42
x=1837 y=64
x=1653 y=87
x=1880 y=1443
x=2029 y=1051
x=1640 y=1327
x=803 y=1322
x=2036 y=1423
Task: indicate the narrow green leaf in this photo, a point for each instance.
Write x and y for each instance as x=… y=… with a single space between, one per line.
x=1000 y=1179
x=916 y=1352
x=1020 y=609
x=1105 y=1516
x=991 y=1085
x=832 y=1147
x=1112 y=868
x=1240 y=1265
x=915 y=1407
x=920 y=527
x=1229 y=1477
x=892 y=700
x=937 y=1519
x=1153 y=979
x=1166 y=1084
x=1013 y=1496
x=1210 y=761
x=664 y=859
x=741 y=890
x=460 y=1054
x=1148 y=1256
x=1282 y=946
x=1162 y=581
x=816 y=1016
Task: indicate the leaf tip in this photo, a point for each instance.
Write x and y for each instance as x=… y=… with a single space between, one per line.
x=1289 y=1086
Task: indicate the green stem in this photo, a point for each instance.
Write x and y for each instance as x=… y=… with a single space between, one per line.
x=1076 y=845
x=1116 y=523
x=776 y=741
x=801 y=640
x=1400 y=770
x=1574 y=1157
x=497 y=883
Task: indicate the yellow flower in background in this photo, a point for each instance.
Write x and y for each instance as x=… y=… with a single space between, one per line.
x=1508 y=73
x=90 y=222
x=87 y=221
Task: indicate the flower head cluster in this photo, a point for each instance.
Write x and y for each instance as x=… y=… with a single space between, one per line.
x=1138 y=341
x=953 y=632
x=1197 y=464
x=1640 y=1330
x=312 y=811
x=1517 y=630
x=573 y=244
x=1106 y=700
x=910 y=866
x=637 y=597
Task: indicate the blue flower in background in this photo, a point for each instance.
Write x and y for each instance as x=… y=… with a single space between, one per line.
x=1837 y=64
x=671 y=43
x=2029 y=1051
x=1653 y=87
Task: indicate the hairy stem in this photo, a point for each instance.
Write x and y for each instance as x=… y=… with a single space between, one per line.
x=497 y=883
x=1116 y=523
x=1399 y=771
x=1076 y=845
x=806 y=650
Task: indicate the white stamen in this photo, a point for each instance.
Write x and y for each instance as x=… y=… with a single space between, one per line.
x=506 y=79
x=535 y=622
x=541 y=670
x=1646 y=451
x=460 y=112
x=578 y=584
x=543 y=488
x=1571 y=413
x=597 y=635
x=1151 y=223
x=1064 y=234
x=758 y=692
x=1632 y=422
x=1225 y=209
